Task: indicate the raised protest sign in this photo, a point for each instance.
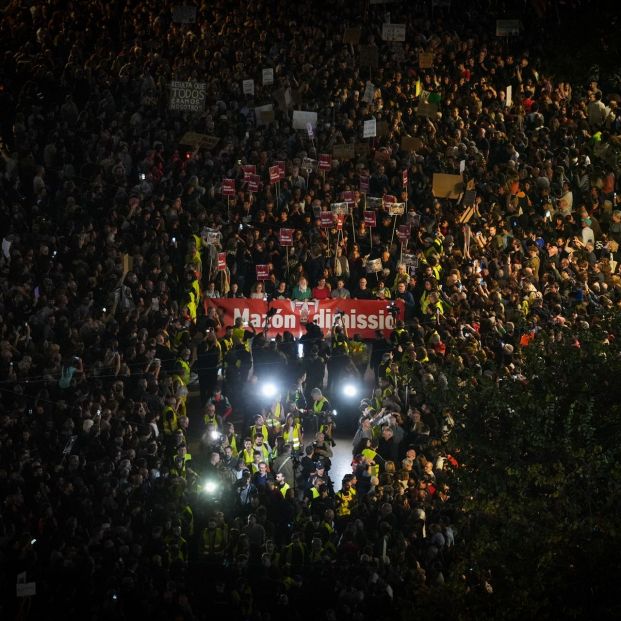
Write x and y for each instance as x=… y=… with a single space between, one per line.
x=348 y=196
x=228 y=187
x=187 y=96
x=326 y=219
x=425 y=60
x=374 y=266
x=393 y=32
x=184 y=14
x=363 y=317
x=403 y=232
x=370 y=129
x=370 y=218
x=309 y=164
x=268 y=76
x=396 y=209
x=368 y=56
x=281 y=168
x=339 y=209
x=404 y=177
x=221 y=261
x=352 y=35
x=204 y=141
x=507 y=27
x=249 y=169
x=301 y=118
x=248 y=87
x=509 y=96
x=254 y=182
x=325 y=161
x=285 y=237
x=263 y=272
x=369 y=92
x=344 y=151
x=264 y=115
x=274 y=174
x=364 y=184
x=447 y=186
x=389 y=199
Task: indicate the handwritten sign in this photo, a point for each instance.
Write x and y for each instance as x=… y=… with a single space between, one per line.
x=369 y=92
x=425 y=60
x=248 y=87
x=393 y=32
x=370 y=129
x=187 y=96
x=268 y=76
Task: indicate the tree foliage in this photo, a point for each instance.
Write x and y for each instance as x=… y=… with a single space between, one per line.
x=540 y=483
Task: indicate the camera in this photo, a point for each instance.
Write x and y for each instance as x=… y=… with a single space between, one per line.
x=393 y=309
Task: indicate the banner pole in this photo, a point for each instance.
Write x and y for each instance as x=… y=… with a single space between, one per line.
x=394 y=226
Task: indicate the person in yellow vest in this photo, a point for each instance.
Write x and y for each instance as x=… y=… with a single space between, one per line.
x=259 y=427
x=401 y=276
x=321 y=407
x=344 y=500
x=183 y=364
x=214 y=539
x=313 y=492
x=247 y=453
x=170 y=420
x=262 y=446
x=231 y=438
x=281 y=484
x=292 y=433
x=210 y=417
x=372 y=457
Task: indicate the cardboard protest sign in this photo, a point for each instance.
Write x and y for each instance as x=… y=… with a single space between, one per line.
x=370 y=218
x=274 y=174
x=264 y=115
x=285 y=237
x=403 y=232
x=184 y=14
x=411 y=143
x=263 y=272
x=466 y=215
x=228 y=187
x=249 y=170
x=281 y=168
x=462 y=166
x=253 y=183
x=508 y=27
x=268 y=76
x=194 y=139
x=393 y=32
x=187 y=96
x=352 y=36
x=425 y=60
x=212 y=237
x=427 y=109
x=396 y=209
x=326 y=220
x=309 y=164
x=375 y=202
x=368 y=56
x=302 y=117
x=221 y=261
x=364 y=184
x=325 y=161
x=410 y=259
x=128 y=263
x=509 y=96
x=344 y=151
x=370 y=129
x=369 y=92
x=248 y=87
x=447 y=186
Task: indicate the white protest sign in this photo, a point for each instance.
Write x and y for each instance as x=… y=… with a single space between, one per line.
x=301 y=118
x=23 y=588
x=188 y=96
x=369 y=92
x=268 y=77
x=6 y=248
x=393 y=32
x=462 y=166
x=509 y=96
x=248 y=87
x=370 y=129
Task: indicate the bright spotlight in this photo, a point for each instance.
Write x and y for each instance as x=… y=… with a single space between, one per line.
x=210 y=487
x=215 y=435
x=269 y=389
x=349 y=390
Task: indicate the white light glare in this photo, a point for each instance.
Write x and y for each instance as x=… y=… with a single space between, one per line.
x=349 y=390
x=215 y=435
x=269 y=389
x=210 y=487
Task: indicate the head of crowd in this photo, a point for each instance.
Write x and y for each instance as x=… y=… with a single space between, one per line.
x=146 y=441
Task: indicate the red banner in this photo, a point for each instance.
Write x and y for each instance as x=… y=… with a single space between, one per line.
x=221 y=261
x=325 y=161
x=370 y=218
x=228 y=187
x=274 y=174
x=263 y=272
x=364 y=184
x=362 y=317
x=285 y=237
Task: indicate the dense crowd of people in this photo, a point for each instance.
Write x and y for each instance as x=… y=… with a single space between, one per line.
x=126 y=492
